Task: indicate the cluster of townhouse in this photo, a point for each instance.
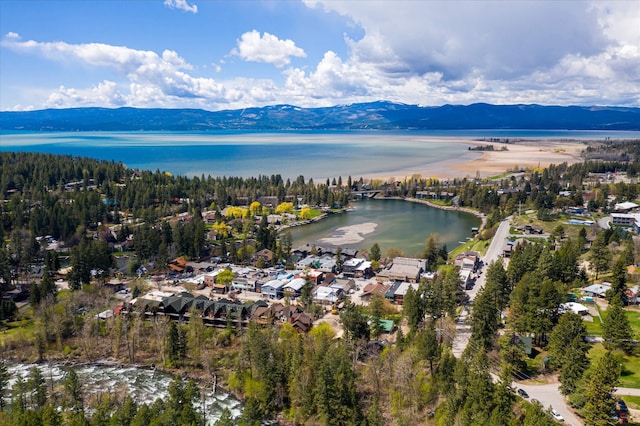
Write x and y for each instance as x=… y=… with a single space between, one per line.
x=218 y=313
x=269 y=295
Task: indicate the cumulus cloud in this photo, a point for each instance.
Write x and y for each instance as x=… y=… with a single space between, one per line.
x=499 y=39
x=494 y=51
x=426 y=53
x=105 y=93
x=13 y=36
x=266 y=48
x=164 y=74
x=182 y=5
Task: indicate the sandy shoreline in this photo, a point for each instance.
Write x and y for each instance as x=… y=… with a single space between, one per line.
x=349 y=234
x=520 y=155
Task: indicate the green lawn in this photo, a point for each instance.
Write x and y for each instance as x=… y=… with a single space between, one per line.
x=630 y=369
x=593 y=328
x=472 y=245
x=632 y=401
x=634 y=320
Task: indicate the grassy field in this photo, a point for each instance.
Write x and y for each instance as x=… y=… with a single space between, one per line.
x=633 y=402
x=593 y=328
x=570 y=231
x=629 y=369
x=472 y=245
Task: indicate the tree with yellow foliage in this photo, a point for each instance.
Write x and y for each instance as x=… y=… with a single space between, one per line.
x=222 y=228
x=255 y=209
x=236 y=212
x=305 y=213
x=284 y=208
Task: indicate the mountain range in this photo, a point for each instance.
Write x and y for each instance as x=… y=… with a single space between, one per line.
x=379 y=115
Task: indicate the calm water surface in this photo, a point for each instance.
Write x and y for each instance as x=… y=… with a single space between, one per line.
x=399 y=224
x=312 y=154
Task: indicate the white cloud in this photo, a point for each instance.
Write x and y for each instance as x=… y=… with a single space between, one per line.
x=427 y=53
x=495 y=51
x=13 y=36
x=182 y=5
x=105 y=93
x=152 y=76
x=266 y=48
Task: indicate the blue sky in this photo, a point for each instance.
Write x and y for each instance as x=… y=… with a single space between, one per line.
x=231 y=54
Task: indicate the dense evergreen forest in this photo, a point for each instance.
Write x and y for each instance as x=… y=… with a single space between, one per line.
x=92 y=207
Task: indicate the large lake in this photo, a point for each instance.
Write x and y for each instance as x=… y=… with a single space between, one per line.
x=312 y=154
x=390 y=223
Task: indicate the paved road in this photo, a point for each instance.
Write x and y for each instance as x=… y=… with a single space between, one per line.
x=549 y=395
x=463 y=331
x=628 y=391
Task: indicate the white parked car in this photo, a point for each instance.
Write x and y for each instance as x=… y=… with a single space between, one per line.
x=556 y=415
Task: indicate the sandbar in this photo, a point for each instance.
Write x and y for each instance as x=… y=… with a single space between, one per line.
x=519 y=155
x=349 y=234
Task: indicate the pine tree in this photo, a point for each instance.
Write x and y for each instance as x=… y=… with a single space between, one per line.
x=173 y=343
x=374 y=253
x=618 y=280
x=37 y=388
x=73 y=387
x=616 y=329
x=413 y=307
x=600 y=256
x=568 y=350
x=600 y=401
x=4 y=383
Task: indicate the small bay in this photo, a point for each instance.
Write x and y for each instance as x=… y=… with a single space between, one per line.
x=398 y=224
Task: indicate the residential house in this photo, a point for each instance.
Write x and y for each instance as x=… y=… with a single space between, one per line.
x=350 y=266
x=576 y=308
x=597 y=290
x=314 y=276
x=633 y=294
x=293 y=289
x=273 y=289
x=266 y=255
x=390 y=294
x=320 y=263
x=467 y=261
x=209 y=217
x=244 y=283
x=402 y=291
x=374 y=288
x=302 y=322
x=357 y=267
x=326 y=295
x=344 y=284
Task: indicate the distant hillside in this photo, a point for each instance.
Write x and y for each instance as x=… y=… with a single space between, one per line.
x=373 y=115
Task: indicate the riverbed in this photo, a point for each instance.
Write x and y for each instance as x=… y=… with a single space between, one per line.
x=145 y=385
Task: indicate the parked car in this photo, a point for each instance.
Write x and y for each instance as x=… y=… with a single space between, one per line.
x=622 y=406
x=557 y=416
x=623 y=416
x=523 y=393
